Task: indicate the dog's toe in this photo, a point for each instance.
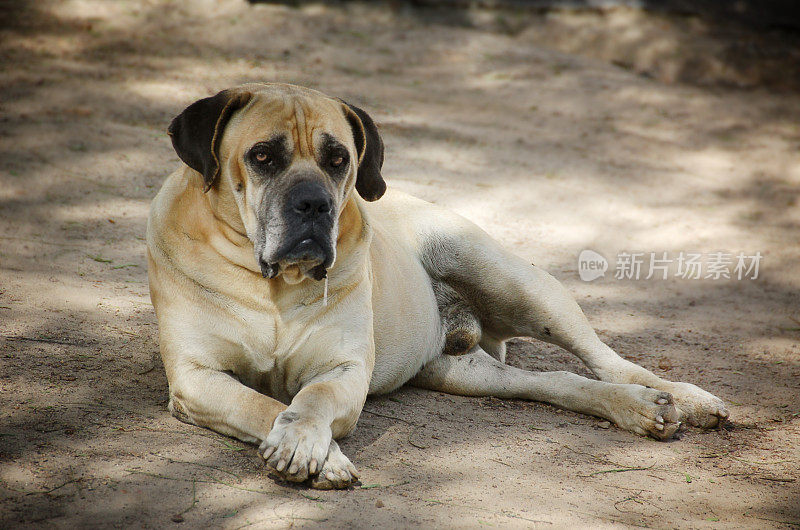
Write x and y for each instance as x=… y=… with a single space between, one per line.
x=645 y=411
x=337 y=471
x=702 y=409
x=293 y=449
x=660 y=428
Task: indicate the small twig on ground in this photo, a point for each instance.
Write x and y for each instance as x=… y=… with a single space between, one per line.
x=789 y=523
x=178 y=517
x=173 y=461
x=618 y=470
x=210 y=481
x=388 y=417
x=231 y=446
x=633 y=498
x=40 y=492
x=622 y=467
x=486 y=510
x=414 y=430
x=291 y=517
x=312 y=497
x=43 y=242
x=381 y=486
x=47 y=340
x=765 y=463
x=740 y=459
x=600 y=459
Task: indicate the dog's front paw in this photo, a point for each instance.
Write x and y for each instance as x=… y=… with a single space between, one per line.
x=643 y=411
x=700 y=408
x=296 y=447
x=337 y=471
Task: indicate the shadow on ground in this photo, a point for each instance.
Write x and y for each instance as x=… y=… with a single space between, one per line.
x=550 y=152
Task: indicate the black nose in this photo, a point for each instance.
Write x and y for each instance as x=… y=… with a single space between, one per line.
x=310 y=200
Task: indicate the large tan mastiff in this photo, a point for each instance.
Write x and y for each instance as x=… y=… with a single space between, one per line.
x=284 y=297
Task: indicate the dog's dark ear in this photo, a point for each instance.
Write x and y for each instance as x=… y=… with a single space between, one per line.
x=197 y=131
x=369 y=182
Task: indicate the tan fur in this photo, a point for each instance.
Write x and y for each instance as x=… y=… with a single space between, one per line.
x=267 y=361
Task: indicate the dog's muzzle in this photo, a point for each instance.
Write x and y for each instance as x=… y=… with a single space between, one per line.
x=307 y=253
x=309 y=218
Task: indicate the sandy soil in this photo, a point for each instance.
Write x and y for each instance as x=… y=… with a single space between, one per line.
x=550 y=152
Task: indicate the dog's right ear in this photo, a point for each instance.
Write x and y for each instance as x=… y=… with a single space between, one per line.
x=369 y=182
x=197 y=131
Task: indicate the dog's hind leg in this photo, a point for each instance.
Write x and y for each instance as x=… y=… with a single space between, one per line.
x=513 y=298
x=494 y=347
x=636 y=408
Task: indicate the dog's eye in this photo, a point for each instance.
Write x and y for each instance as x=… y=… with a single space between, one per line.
x=337 y=161
x=264 y=158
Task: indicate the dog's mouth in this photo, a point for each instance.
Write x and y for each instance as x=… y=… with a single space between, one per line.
x=304 y=259
x=294 y=272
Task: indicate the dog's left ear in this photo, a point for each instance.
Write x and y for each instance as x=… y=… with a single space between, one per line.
x=197 y=131
x=369 y=182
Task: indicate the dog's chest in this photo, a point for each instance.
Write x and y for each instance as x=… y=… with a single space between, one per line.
x=259 y=354
x=260 y=362
x=256 y=334
x=270 y=348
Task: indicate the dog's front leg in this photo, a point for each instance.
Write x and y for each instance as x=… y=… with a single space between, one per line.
x=217 y=400
x=301 y=443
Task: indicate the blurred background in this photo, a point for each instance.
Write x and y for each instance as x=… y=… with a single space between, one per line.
x=557 y=126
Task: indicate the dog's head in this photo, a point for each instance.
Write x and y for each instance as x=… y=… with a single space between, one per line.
x=289 y=158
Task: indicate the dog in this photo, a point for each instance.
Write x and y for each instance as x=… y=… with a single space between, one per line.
x=289 y=284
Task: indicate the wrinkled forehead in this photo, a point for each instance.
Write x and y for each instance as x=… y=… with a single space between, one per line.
x=305 y=118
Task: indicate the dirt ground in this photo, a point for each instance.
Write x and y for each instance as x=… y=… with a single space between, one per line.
x=551 y=152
